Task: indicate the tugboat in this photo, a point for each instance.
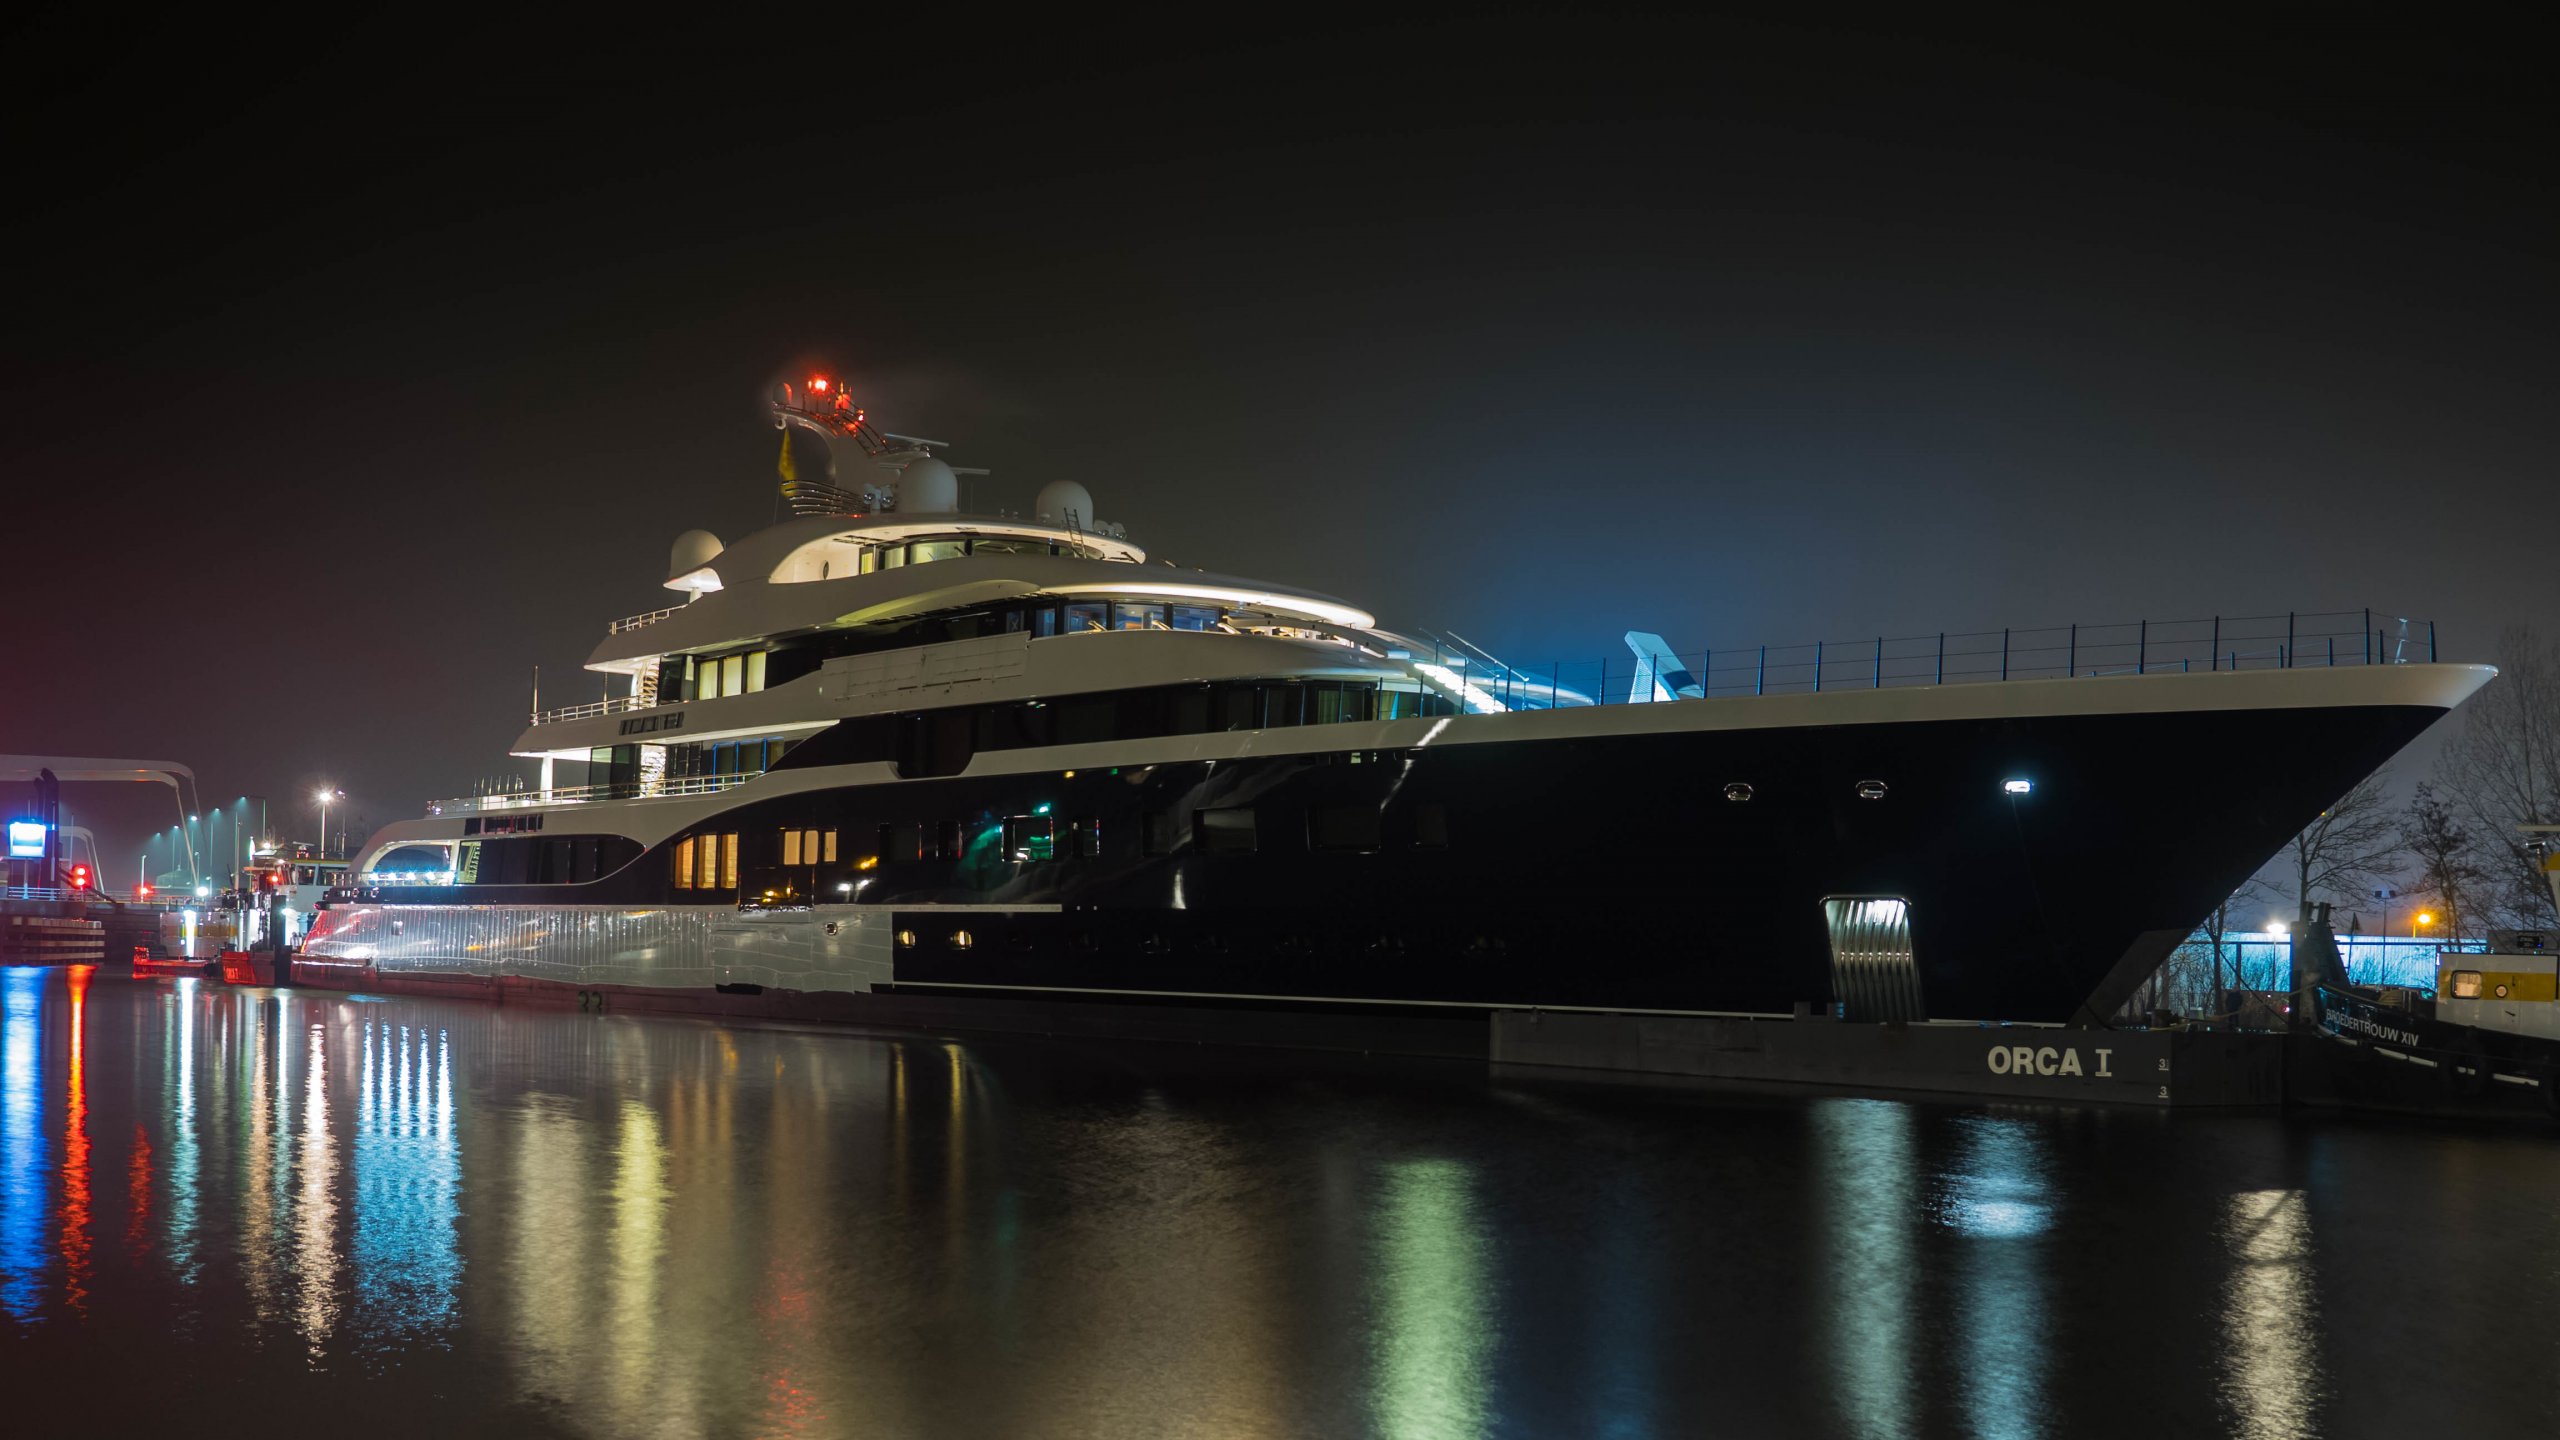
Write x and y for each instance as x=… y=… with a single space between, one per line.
x=2488 y=1043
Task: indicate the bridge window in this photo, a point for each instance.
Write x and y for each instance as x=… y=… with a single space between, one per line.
x=927 y=551
x=1195 y=617
x=1031 y=837
x=1137 y=617
x=1087 y=616
x=1227 y=831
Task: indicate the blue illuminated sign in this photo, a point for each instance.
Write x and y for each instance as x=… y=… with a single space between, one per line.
x=26 y=839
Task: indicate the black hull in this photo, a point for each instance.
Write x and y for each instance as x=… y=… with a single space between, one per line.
x=2366 y=1055
x=1608 y=871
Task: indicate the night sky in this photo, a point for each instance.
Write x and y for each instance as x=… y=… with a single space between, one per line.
x=350 y=376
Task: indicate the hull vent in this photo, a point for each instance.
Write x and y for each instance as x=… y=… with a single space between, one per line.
x=1872 y=974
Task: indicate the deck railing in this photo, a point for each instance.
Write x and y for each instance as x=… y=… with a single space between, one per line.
x=669 y=788
x=591 y=709
x=637 y=622
x=2134 y=647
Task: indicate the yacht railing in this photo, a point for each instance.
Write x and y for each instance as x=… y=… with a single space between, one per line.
x=669 y=788
x=591 y=709
x=1484 y=683
x=640 y=622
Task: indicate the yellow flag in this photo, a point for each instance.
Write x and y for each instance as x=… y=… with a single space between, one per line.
x=790 y=472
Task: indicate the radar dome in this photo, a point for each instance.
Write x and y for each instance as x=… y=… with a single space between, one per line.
x=1059 y=497
x=927 y=487
x=693 y=550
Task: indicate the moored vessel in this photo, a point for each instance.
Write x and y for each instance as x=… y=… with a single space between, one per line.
x=892 y=747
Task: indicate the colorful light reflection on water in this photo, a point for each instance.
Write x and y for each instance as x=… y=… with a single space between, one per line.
x=305 y=1207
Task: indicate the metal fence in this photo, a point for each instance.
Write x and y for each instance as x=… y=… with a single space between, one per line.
x=2135 y=647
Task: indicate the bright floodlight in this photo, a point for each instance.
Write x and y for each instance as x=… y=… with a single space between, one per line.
x=2275 y=927
x=203 y=890
x=2017 y=787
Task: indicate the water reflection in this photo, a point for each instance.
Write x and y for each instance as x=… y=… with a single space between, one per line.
x=25 y=1170
x=2269 y=1316
x=408 y=1183
x=1998 y=1202
x=1870 y=1197
x=316 y=1208
x=75 y=1152
x=1435 y=1332
x=561 y=1224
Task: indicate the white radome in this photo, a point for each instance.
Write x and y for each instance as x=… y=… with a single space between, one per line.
x=928 y=487
x=693 y=550
x=1060 y=496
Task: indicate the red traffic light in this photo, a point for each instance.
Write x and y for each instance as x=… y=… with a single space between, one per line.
x=79 y=877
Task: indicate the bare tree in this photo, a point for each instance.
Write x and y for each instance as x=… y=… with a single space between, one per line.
x=2446 y=853
x=2353 y=845
x=2501 y=770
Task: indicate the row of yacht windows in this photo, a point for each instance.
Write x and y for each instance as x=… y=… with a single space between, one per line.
x=921 y=552
x=745 y=672
x=941 y=742
x=803 y=863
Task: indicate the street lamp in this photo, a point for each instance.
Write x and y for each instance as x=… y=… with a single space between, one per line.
x=2425 y=917
x=324 y=798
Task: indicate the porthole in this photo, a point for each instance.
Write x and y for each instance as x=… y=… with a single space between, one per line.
x=906 y=939
x=2502 y=989
x=962 y=940
x=1870 y=789
x=1737 y=792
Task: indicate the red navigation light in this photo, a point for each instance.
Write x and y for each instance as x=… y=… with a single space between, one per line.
x=143 y=888
x=819 y=384
x=79 y=877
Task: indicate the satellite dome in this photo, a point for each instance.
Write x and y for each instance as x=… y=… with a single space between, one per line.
x=693 y=550
x=1061 y=500
x=928 y=487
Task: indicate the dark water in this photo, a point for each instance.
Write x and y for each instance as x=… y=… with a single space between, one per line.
x=258 y=1212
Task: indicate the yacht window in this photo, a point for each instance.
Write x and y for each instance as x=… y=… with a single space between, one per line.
x=946 y=840
x=1163 y=832
x=799 y=847
x=1004 y=546
x=1195 y=617
x=684 y=863
x=729 y=861
x=466 y=865
x=870 y=559
x=707 y=686
x=755 y=670
x=1088 y=616
x=1031 y=837
x=1085 y=839
x=892 y=556
x=706 y=863
x=1044 y=621
x=1335 y=703
x=926 y=551
x=901 y=842
x=733 y=675
x=1431 y=826
x=1282 y=704
x=1344 y=827
x=1013 y=621
x=2466 y=984
x=1136 y=617
x=1227 y=831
